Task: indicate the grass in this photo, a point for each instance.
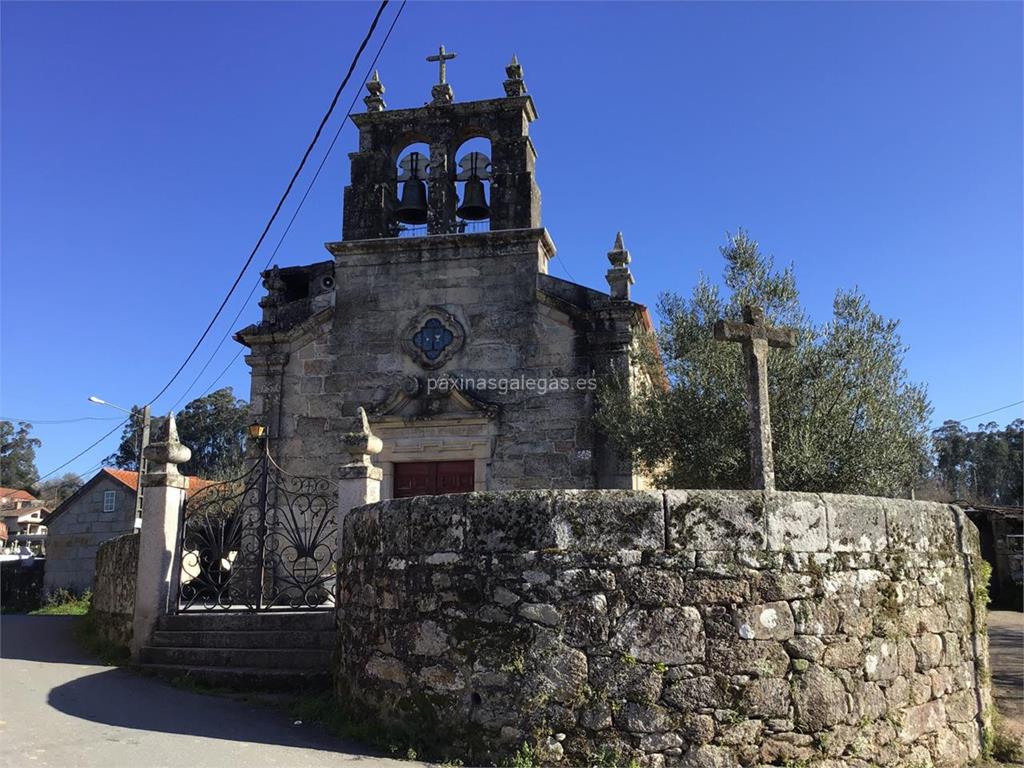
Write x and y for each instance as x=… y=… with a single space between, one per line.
x=1004 y=747
x=64 y=603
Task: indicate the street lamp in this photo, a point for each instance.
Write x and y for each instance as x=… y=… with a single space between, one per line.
x=142 y=447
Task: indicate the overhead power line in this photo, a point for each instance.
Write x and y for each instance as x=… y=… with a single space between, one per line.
x=266 y=229
x=280 y=202
x=82 y=453
x=60 y=421
x=291 y=221
x=986 y=413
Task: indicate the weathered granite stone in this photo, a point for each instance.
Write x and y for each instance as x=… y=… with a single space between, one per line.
x=796 y=522
x=716 y=520
x=819 y=699
x=856 y=523
x=725 y=656
x=773 y=621
x=922 y=719
x=665 y=635
x=766 y=697
x=541 y=613
x=702 y=692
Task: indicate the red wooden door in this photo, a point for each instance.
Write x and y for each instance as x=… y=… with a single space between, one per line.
x=429 y=478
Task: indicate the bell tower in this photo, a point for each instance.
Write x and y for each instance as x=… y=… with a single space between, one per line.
x=399 y=191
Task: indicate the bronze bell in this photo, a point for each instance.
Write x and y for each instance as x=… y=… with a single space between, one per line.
x=412 y=208
x=474 y=206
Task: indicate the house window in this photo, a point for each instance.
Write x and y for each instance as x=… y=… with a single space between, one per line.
x=109 y=501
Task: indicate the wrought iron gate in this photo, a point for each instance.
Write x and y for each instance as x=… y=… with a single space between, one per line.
x=264 y=541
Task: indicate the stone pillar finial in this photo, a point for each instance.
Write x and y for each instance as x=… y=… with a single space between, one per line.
x=275 y=287
x=164 y=454
x=361 y=444
x=514 y=86
x=358 y=480
x=619 y=277
x=375 y=101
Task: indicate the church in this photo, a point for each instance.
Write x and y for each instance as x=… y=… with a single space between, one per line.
x=436 y=313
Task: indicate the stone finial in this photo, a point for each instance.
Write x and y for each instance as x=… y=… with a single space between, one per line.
x=514 y=86
x=165 y=453
x=275 y=287
x=375 y=101
x=618 y=255
x=361 y=443
x=619 y=277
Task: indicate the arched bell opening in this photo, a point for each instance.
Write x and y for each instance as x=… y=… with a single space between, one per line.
x=411 y=174
x=473 y=185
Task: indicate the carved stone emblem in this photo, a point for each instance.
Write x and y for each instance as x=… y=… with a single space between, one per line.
x=433 y=337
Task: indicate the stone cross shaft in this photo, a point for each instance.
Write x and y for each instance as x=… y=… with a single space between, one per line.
x=442 y=57
x=755 y=336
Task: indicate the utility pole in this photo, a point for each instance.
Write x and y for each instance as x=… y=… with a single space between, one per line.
x=142 y=465
x=142 y=443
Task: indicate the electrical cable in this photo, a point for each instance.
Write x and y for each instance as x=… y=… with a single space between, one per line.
x=280 y=202
x=291 y=221
x=263 y=234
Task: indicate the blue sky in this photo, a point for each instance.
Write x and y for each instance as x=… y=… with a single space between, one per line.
x=144 y=145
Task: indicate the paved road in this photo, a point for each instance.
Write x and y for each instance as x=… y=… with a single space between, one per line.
x=1006 y=654
x=58 y=708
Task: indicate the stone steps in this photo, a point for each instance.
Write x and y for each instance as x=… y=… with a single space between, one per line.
x=242 y=678
x=246 y=621
x=276 y=658
x=253 y=638
x=242 y=650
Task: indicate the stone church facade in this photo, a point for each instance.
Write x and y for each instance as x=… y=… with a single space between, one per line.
x=478 y=369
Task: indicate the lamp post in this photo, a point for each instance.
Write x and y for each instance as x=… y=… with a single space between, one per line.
x=142 y=447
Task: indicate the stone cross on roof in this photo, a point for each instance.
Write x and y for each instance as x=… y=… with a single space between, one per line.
x=442 y=57
x=755 y=336
x=442 y=92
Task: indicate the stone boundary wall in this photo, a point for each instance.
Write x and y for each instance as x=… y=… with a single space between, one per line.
x=113 y=596
x=693 y=628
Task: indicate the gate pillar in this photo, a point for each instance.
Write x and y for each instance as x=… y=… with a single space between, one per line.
x=358 y=480
x=163 y=502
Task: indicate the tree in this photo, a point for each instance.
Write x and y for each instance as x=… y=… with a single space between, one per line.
x=983 y=466
x=18 y=455
x=55 y=491
x=845 y=417
x=213 y=426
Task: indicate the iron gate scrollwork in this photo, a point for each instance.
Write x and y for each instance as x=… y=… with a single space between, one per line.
x=264 y=541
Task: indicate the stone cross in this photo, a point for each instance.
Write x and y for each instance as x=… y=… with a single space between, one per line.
x=442 y=57
x=755 y=336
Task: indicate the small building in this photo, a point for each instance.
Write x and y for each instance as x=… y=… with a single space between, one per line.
x=23 y=517
x=102 y=509
x=1001 y=529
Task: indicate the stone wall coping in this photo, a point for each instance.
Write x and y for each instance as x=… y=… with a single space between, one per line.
x=671 y=521
x=464 y=244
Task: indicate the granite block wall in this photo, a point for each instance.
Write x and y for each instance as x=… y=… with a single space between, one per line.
x=113 y=597
x=690 y=628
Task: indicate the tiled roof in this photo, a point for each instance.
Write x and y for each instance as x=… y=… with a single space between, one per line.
x=13 y=494
x=131 y=479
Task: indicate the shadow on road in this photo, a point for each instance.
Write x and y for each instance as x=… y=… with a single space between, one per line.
x=33 y=646
x=119 y=698
x=47 y=639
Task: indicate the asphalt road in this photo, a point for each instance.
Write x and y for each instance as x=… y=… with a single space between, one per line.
x=58 y=708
